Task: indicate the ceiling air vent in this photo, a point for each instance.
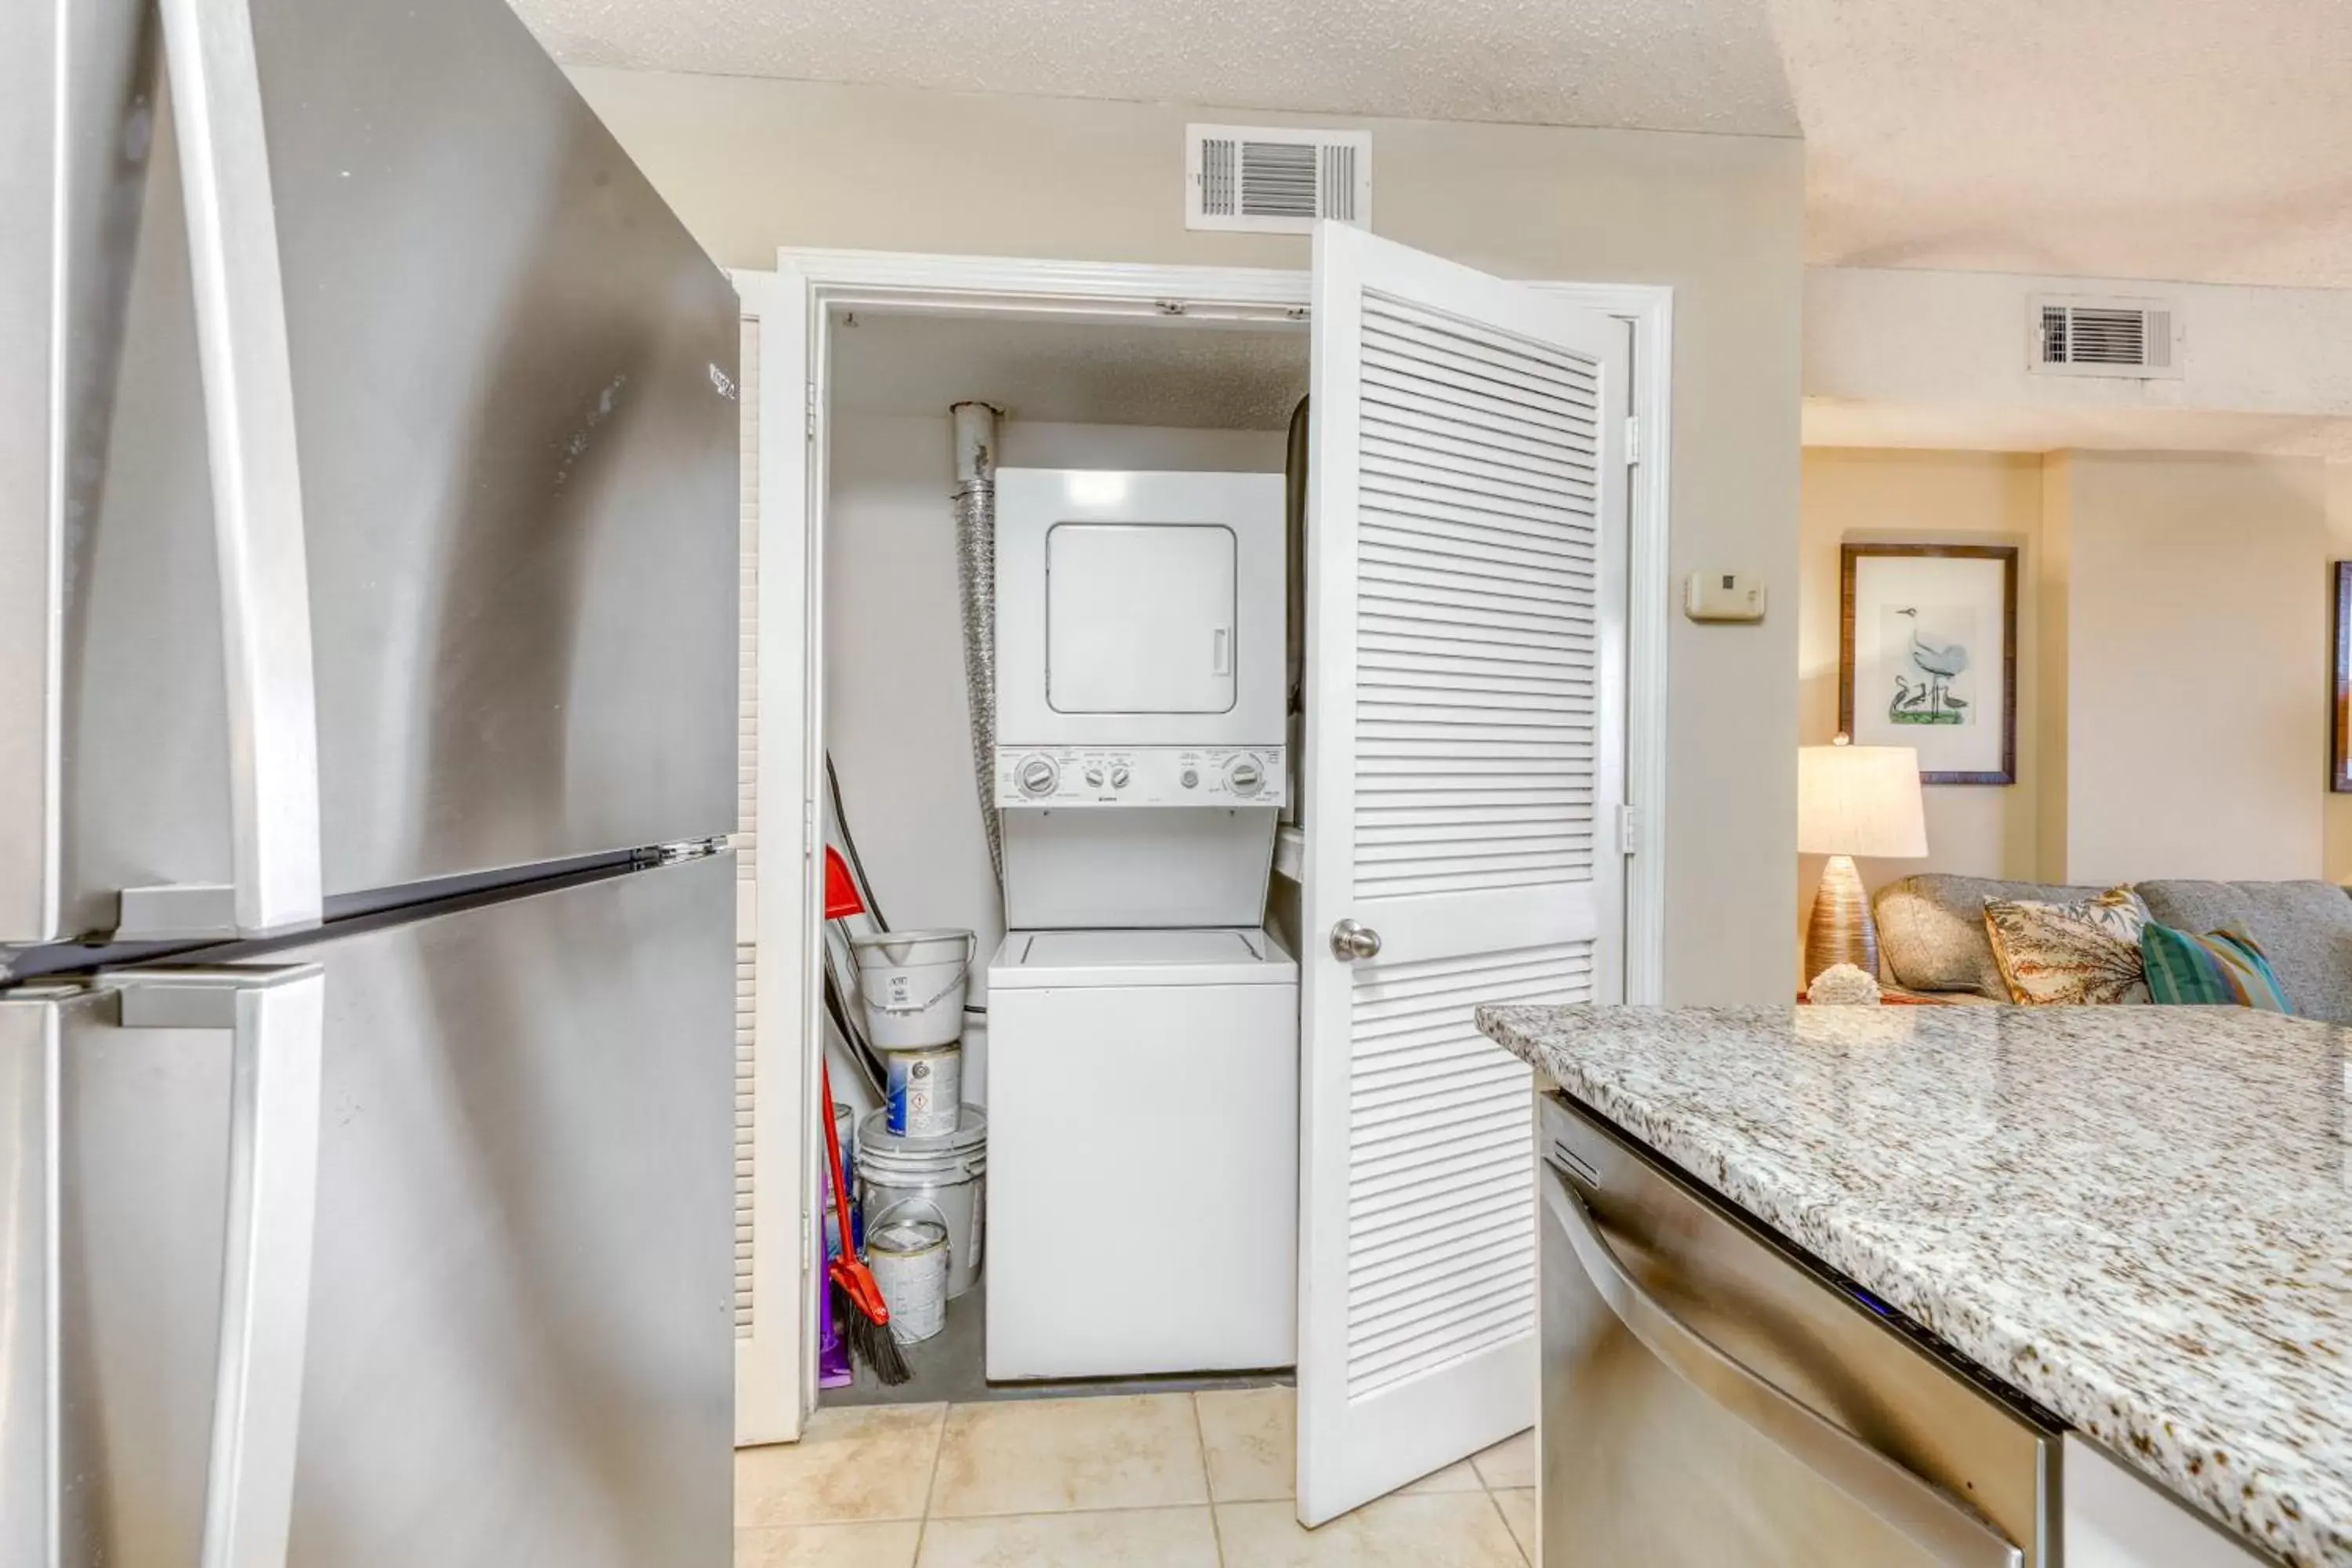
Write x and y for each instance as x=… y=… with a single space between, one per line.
x=1275 y=181
x=2077 y=334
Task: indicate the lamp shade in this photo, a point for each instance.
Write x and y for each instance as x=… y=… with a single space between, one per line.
x=1860 y=800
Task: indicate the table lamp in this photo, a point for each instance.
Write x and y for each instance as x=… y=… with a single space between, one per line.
x=1853 y=800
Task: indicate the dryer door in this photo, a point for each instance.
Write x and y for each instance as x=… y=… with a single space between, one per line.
x=1139 y=609
x=1140 y=618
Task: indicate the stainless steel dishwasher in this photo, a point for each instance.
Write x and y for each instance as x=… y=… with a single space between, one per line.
x=1712 y=1398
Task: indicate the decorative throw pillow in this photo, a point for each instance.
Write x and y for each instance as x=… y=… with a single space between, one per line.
x=2226 y=968
x=2070 y=955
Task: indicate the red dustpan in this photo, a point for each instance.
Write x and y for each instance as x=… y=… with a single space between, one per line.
x=841 y=897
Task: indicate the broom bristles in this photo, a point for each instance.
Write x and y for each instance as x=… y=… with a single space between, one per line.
x=870 y=1342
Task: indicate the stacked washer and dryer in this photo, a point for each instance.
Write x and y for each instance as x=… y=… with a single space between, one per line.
x=1142 y=1198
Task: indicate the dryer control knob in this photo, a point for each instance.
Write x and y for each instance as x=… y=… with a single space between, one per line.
x=1245 y=776
x=1191 y=778
x=1094 y=777
x=1039 y=775
x=1119 y=777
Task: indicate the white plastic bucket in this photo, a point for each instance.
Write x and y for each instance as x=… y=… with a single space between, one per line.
x=924 y=1097
x=907 y=1247
x=949 y=1174
x=912 y=983
x=845 y=1132
x=974 y=1045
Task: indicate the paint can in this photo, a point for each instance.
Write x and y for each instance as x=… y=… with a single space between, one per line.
x=907 y=1247
x=948 y=1176
x=912 y=984
x=925 y=1094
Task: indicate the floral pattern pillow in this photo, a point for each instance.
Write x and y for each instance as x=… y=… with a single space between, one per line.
x=2070 y=955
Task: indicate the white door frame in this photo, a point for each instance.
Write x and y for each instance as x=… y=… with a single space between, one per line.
x=795 y=306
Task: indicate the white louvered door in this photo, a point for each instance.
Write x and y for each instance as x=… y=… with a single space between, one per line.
x=1466 y=763
x=774 y=1322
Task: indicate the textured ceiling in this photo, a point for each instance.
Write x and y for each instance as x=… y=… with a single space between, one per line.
x=2207 y=140
x=1676 y=65
x=1146 y=372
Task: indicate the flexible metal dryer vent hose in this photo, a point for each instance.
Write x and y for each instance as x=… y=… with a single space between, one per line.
x=975 y=525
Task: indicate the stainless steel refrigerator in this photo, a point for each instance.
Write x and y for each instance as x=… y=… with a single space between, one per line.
x=368 y=597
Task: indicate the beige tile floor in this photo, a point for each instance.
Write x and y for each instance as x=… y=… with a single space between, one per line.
x=1161 y=1480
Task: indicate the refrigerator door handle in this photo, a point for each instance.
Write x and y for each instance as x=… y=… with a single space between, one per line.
x=1943 y=1528
x=276 y=1020
x=256 y=493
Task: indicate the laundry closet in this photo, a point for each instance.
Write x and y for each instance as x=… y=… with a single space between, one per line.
x=1129 y=1044
x=1188 y=769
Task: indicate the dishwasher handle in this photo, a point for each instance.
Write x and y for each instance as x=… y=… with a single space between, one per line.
x=1939 y=1524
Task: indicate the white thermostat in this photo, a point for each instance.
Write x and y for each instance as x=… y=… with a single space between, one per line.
x=1723 y=596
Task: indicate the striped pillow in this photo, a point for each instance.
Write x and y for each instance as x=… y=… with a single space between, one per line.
x=2226 y=968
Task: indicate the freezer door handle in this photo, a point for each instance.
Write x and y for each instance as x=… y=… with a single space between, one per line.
x=276 y=1020
x=1941 y=1526
x=256 y=493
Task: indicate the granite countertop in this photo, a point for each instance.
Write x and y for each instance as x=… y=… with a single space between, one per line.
x=2139 y=1216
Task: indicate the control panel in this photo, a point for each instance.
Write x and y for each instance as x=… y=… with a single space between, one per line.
x=1141 y=775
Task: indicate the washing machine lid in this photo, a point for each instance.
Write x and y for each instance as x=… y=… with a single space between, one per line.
x=1069 y=958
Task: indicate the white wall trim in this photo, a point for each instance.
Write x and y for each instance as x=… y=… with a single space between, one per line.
x=1649 y=596
x=795 y=304
x=993 y=283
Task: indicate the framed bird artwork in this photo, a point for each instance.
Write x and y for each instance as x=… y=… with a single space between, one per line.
x=1928 y=656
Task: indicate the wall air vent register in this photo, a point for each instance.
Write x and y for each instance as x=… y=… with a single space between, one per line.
x=2081 y=335
x=1275 y=181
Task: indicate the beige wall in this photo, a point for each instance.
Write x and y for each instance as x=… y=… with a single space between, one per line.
x=2047 y=675
x=2339 y=809
x=753 y=164
x=2196 y=615
x=1927 y=497
x=2172 y=648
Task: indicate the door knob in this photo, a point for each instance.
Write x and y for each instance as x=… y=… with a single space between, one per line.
x=1351 y=941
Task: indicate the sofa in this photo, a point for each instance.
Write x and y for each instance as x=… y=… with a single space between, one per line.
x=1931 y=933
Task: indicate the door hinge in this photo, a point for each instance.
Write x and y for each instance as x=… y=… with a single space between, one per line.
x=808 y=830
x=809 y=408
x=1629 y=830
x=1632 y=439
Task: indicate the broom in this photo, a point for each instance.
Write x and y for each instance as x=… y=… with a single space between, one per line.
x=857 y=1304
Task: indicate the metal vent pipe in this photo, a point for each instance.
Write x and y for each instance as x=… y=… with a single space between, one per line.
x=975 y=523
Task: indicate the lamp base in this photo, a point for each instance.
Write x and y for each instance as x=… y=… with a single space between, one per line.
x=1841 y=930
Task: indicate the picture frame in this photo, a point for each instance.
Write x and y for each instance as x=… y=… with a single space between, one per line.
x=1918 y=663
x=2339 y=726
